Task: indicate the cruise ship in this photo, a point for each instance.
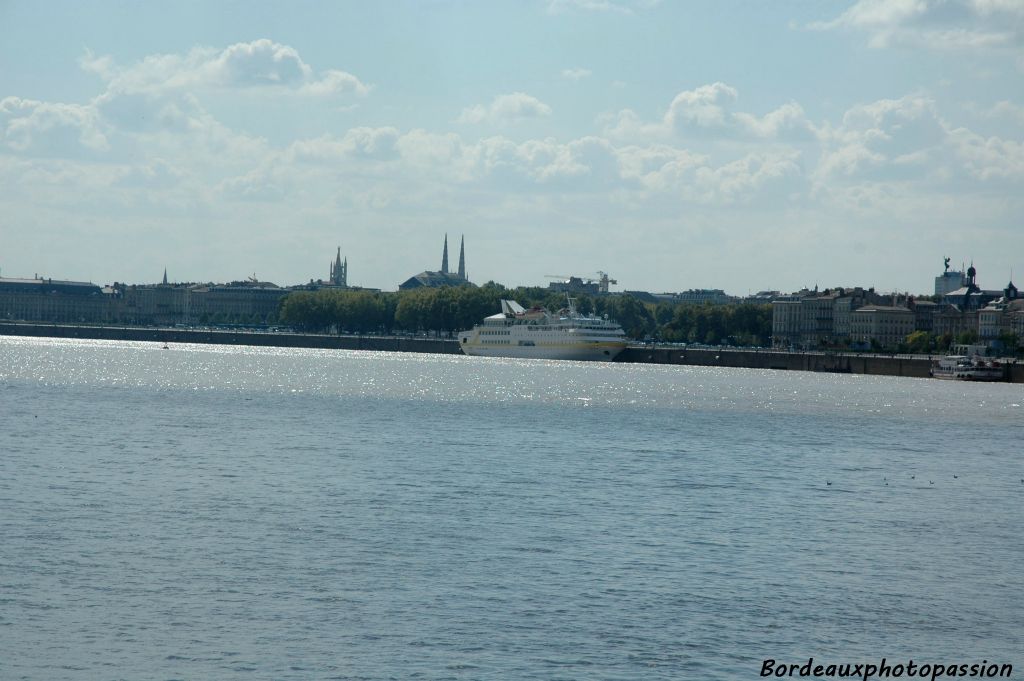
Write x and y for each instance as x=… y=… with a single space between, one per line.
x=540 y=334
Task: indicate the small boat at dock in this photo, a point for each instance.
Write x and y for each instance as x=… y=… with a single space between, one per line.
x=968 y=368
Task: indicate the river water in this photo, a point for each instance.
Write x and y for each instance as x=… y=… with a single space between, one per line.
x=212 y=512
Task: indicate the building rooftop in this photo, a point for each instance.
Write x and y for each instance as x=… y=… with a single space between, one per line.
x=49 y=286
x=434 y=280
x=881 y=308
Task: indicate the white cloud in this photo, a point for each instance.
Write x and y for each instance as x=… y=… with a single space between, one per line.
x=708 y=109
x=151 y=126
x=506 y=109
x=148 y=111
x=935 y=24
x=788 y=119
x=155 y=104
x=333 y=82
x=703 y=107
x=616 y=6
x=907 y=141
x=47 y=128
x=257 y=65
x=378 y=144
x=989 y=158
x=659 y=168
x=543 y=167
x=429 y=151
x=576 y=74
x=883 y=140
x=627 y=125
x=741 y=179
x=260 y=184
x=156 y=174
x=1007 y=111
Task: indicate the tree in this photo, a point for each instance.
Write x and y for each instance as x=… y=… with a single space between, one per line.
x=636 y=320
x=920 y=342
x=1009 y=340
x=967 y=337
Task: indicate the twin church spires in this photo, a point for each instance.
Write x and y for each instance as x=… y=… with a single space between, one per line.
x=462 y=257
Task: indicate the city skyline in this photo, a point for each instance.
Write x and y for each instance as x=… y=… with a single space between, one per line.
x=338 y=273
x=672 y=145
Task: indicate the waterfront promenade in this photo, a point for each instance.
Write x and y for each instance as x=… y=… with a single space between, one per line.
x=916 y=366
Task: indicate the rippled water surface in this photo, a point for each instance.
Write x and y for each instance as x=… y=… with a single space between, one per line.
x=240 y=513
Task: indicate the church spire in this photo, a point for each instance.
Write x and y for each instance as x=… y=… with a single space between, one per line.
x=165 y=276
x=444 y=257
x=462 y=257
x=339 y=270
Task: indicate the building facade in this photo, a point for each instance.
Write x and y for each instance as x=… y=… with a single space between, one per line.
x=884 y=325
x=66 y=302
x=53 y=300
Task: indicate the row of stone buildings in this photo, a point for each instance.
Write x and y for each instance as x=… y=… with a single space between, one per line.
x=864 y=318
x=248 y=302
x=69 y=302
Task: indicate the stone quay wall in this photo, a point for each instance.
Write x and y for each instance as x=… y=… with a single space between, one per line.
x=847 y=363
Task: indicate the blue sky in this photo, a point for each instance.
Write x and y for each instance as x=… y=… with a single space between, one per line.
x=675 y=145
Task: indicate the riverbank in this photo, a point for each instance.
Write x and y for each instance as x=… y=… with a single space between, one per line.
x=828 y=362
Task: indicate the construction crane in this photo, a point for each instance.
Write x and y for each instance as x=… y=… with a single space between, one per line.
x=604 y=280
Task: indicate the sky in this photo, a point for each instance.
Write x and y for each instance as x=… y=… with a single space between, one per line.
x=725 y=144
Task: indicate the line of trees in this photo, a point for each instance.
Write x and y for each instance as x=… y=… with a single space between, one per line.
x=923 y=342
x=445 y=310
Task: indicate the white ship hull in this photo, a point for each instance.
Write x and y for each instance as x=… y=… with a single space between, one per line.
x=961 y=368
x=596 y=352
x=970 y=375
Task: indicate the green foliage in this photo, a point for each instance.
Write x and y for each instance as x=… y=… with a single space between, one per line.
x=1009 y=340
x=740 y=324
x=967 y=337
x=341 y=311
x=445 y=310
x=920 y=342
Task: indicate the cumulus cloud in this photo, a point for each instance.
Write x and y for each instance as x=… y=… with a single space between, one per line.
x=710 y=109
x=46 y=127
x=506 y=109
x=741 y=179
x=1006 y=111
x=361 y=142
x=148 y=111
x=589 y=165
x=590 y=158
x=935 y=24
x=430 y=151
x=158 y=99
x=787 y=119
x=156 y=174
x=258 y=65
x=260 y=184
x=703 y=107
x=159 y=96
x=907 y=140
x=989 y=158
x=882 y=138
